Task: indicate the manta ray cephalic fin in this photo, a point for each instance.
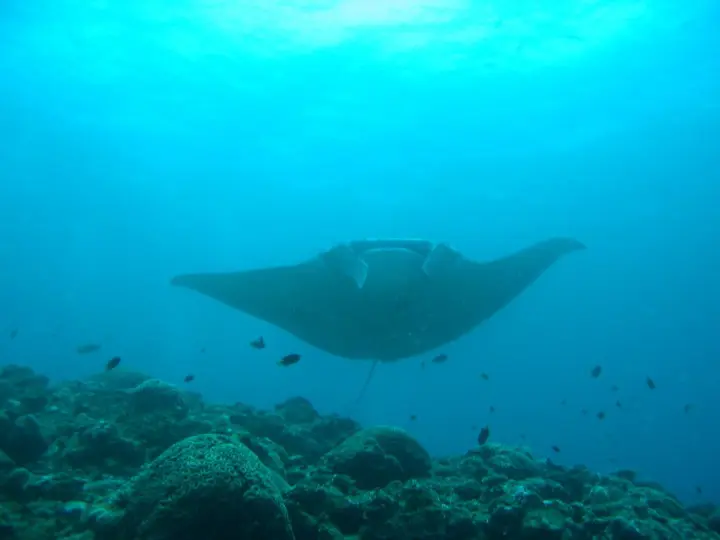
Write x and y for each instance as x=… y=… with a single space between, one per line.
x=343 y=259
x=441 y=259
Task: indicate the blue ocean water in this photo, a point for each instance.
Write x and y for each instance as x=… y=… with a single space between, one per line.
x=142 y=139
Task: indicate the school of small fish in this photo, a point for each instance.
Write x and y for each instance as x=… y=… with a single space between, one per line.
x=293 y=358
x=595 y=373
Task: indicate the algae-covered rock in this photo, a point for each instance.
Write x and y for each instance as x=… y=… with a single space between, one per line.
x=714 y=521
x=297 y=410
x=8 y=529
x=6 y=463
x=155 y=396
x=24 y=440
x=207 y=486
x=135 y=458
x=101 y=445
x=374 y=457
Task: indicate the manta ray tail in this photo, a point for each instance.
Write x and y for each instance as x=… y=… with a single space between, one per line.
x=367 y=382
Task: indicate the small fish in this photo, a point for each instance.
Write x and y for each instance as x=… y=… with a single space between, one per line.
x=485 y=376
x=650 y=383
x=112 y=363
x=258 y=343
x=614 y=388
x=688 y=407
x=492 y=409
x=422 y=364
x=618 y=404
x=522 y=437
x=584 y=412
x=413 y=417
x=13 y=333
x=600 y=415
x=202 y=351
x=189 y=378
x=484 y=435
x=698 y=490
x=88 y=348
x=555 y=449
x=289 y=360
x=440 y=358
x=596 y=371
x=563 y=402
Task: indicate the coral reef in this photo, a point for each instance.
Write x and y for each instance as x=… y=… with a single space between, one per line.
x=122 y=456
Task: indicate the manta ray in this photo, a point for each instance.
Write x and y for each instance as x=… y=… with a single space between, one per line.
x=381 y=300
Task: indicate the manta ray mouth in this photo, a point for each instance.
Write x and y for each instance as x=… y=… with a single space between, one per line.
x=390 y=257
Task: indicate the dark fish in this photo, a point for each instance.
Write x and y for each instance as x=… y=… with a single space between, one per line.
x=555 y=449
x=522 y=436
x=698 y=490
x=563 y=402
x=289 y=360
x=484 y=435
x=584 y=412
x=88 y=348
x=614 y=388
x=422 y=364
x=485 y=376
x=650 y=383
x=492 y=409
x=13 y=333
x=440 y=358
x=618 y=404
x=600 y=415
x=596 y=371
x=202 y=351
x=112 y=363
x=413 y=417
x=688 y=407
x=258 y=343
x=189 y=378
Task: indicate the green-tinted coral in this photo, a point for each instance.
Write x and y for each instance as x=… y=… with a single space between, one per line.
x=374 y=457
x=207 y=486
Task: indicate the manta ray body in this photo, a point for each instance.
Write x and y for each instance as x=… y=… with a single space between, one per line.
x=381 y=300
